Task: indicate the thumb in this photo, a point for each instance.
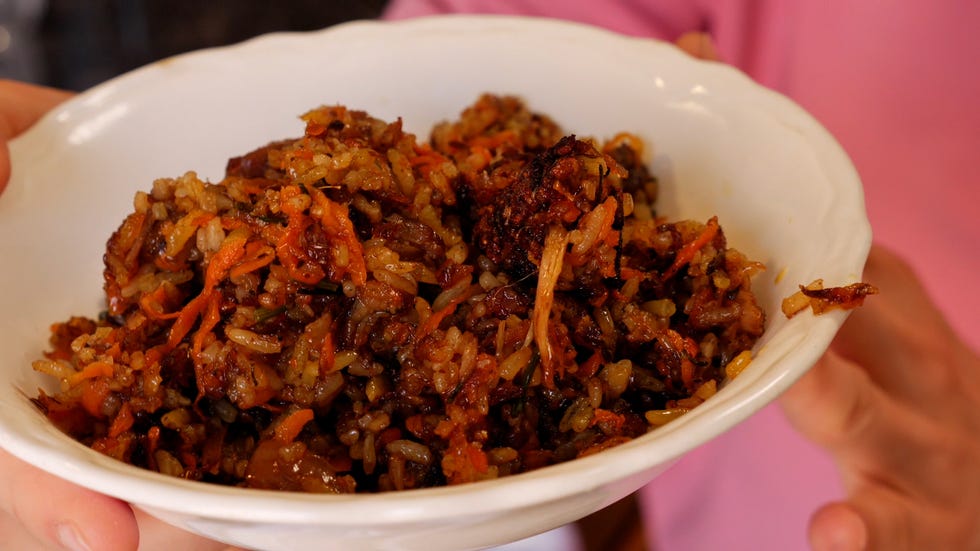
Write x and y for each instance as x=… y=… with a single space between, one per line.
x=21 y=105
x=873 y=441
x=837 y=527
x=62 y=514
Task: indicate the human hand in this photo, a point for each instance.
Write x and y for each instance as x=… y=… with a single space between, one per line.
x=896 y=401
x=21 y=105
x=38 y=510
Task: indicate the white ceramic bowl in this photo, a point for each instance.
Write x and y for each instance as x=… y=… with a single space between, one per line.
x=785 y=193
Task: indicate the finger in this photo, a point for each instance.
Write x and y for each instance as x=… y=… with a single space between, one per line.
x=903 y=342
x=902 y=315
x=837 y=527
x=21 y=105
x=13 y=535
x=877 y=518
x=889 y=520
x=837 y=406
x=874 y=520
x=61 y=514
x=25 y=104
x=699 y=45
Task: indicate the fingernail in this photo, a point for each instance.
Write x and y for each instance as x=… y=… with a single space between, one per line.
x=70 y=538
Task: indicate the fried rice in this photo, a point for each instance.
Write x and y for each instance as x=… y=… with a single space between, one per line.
x=357 y=311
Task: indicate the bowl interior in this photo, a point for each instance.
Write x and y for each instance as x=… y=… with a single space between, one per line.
x=784 y=192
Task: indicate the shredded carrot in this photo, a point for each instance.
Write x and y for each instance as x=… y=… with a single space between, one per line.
x=631 y=273
x=207 y=378
x=432 y=322
x=153 y=440
x=591 y=366
x=298 y=265
x=686 y=254
x=185 y=319
x=91 y=371
x=477 y=457
x=152 y=304
x=289 y=428
x=415 y=425
x=263 y=391
x=257 y=255
x=479 y=158
x=463 y=461
x=291 y=253
x=390 y=434
x=210 y=319
x=232 y=250
x=338 y=225
x=315 y=128
x=123 y=421
x=154 y=355
x=113 y=351
x=607 y=417
x=445 y=428
x=687 y=348
x=687 y=371
x=427 y=160
x=93 y=395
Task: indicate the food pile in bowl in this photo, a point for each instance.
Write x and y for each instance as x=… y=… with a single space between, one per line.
x=357 y=310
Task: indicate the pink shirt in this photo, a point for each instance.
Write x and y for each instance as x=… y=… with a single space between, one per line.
x=897 y=84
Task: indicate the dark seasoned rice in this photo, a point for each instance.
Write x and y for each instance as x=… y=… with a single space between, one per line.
x=357 y=311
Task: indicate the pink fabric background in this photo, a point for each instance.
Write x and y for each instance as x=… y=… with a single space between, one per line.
x=897 y=83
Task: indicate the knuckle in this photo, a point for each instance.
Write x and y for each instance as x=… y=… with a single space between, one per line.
x=855 y=419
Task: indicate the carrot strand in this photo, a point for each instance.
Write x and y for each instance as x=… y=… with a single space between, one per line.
x=91 y=371
x=337 y=223
x=289 y=428
x=432 y=322
x=686 y=254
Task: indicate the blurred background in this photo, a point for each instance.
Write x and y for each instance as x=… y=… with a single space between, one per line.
x=75 y=44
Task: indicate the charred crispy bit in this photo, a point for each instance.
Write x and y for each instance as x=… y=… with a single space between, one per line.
x=555 y=188
x=846 y=297
x=821 y=299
